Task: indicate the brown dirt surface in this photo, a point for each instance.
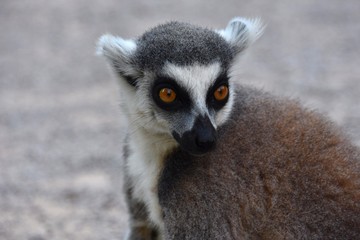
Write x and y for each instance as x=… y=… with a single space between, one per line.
x=61 y=129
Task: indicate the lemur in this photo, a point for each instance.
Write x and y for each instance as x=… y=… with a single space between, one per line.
x=208 y=158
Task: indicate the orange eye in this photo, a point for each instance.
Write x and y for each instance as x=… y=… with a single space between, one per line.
x=221 y=92
x=167 y=95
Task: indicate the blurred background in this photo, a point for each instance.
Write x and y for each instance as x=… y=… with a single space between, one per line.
x=61 y=129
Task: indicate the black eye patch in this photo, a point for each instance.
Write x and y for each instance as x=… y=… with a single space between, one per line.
x=182 y=100
x=211 y=102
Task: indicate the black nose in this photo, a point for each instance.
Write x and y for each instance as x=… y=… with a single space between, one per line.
x=205 y=134
x=200 y=139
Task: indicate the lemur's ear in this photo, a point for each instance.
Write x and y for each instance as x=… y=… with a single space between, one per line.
x=119 y=52
x=240 y=33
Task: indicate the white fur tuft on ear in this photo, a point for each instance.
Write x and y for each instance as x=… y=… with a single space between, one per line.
x=115 y=48
x=241 y=32
x=119 y=52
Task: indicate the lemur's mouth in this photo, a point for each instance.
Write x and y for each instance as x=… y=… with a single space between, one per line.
x=200 y=139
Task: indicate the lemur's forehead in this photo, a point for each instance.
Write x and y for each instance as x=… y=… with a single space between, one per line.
x=197 y=77
x=181 y=44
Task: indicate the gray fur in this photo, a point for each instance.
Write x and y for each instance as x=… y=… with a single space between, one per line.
x=182 y=44
x=179 y=43
x=279 y=172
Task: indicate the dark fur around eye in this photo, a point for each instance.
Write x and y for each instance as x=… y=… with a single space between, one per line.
x=182 y=100
x=222 y=80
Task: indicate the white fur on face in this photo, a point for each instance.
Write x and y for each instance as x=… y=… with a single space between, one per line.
x=197 y=80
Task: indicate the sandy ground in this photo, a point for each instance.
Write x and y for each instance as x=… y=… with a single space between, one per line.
x=60 y=127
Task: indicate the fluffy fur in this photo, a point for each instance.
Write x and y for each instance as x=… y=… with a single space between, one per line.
x=279 y=172
x=195 y=58
x=181 y=44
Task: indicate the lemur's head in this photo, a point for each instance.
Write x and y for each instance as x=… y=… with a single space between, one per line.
x=175 y=78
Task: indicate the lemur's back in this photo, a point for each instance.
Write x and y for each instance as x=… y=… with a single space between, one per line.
x=278 y=172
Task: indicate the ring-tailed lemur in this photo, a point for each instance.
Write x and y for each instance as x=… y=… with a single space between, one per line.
x=222 y=160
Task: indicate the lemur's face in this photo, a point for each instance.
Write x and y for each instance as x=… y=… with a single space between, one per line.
x=175 y=79
x=190 y=102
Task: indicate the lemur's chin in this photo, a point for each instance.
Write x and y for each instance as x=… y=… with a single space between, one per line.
x=198 y=154
x=192 y=147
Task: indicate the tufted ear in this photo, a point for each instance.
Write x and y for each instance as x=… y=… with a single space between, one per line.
x=119 y=52
x=240 y=33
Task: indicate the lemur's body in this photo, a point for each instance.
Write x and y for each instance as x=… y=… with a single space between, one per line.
x=176 y=94
x=279 y=171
